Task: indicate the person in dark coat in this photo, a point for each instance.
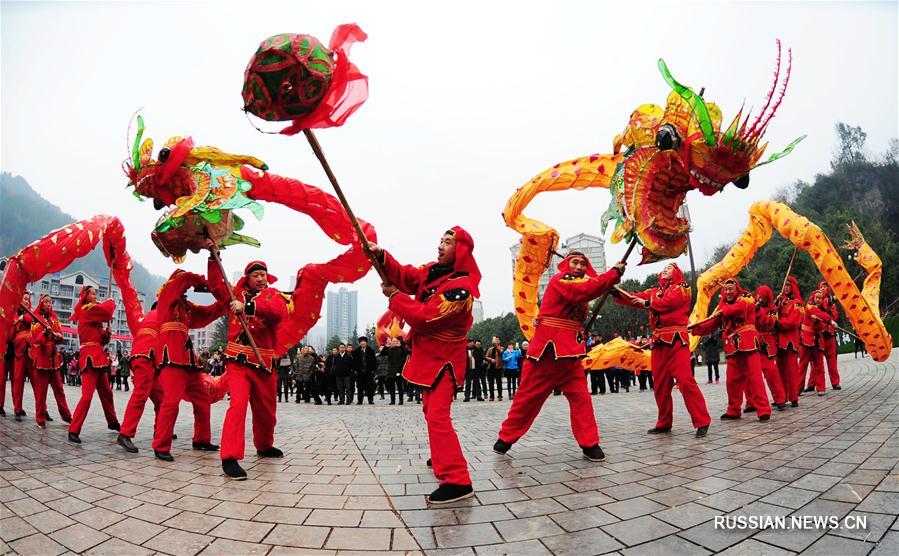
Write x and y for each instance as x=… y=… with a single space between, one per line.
x=711 y=353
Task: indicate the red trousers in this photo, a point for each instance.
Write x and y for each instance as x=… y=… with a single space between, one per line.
x=670 y=364
x=448 y=462
x=744 y=374
x=830 y=356
x=178 y=383
x=258 y=390
x=41 y=380
x=22 y=367
x=145 y=387
x=92 y=379
x=7 y=371
x=772 y=377
x=538 y=381
x=788 y=366
x=814 y=357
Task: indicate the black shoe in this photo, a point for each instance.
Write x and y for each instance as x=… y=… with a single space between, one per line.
x=174 y=437
x=67 y=421
x=358 y=403
x=781 y=406
x=164 y=456
x=702 y=431
x=2 y=411
x=501 y=446
x=392 y=403
x=837 y=387
x=466 y=399
x=270 y=453
x=48 y=418
x=233 y=469
x=594 y=453
x=764 y=417
x=658 y=430
x=480 y=399
x=729 y=417
x=371 y=402
x=126 y=443
x=429 y=463
x=114 y=427
x=809 y=389
x=18 y=418
x=794 y=403
x=329 y=402
x=74 y=438
x=749 y=410
x=205 y=446
x=447 y=493
x=319 y=402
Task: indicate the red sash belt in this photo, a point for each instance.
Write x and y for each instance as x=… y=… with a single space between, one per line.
x=446 y=337
x=147 y=332
x=90 y=344
x=234 y=349
x=744 y=328
x=564 y=324
x=677 y=329
x=174 y=326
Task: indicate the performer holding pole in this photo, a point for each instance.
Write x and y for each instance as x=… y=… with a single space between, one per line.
x=45 y=336
x=554 y=356
x=23 y=365
x=790 y=309
x=669 y=312
x=829 y=334
x=766 y=324
x=436 y=300
x=143 y=372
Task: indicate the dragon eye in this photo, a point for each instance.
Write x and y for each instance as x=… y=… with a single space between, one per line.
x=742 y=182
x=667 y=138
x=164 y=154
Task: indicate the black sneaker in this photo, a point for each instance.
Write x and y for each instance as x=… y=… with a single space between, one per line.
x=466 y=399
x=594 y=453
x=837 y=387
x=18 y=418
x=501 y=446
x=764 y=417
x=164 y=456
x=781 y=406
x=233 y=469
x=114 y=427
x=74 y=438
x=205 y=446
x=429 y=463
x=794 y=403
x=702 y=431
x=174 y=437
x=749 y=410
x=2 y=411
x=270 y=453
x=447 y=493
x=658 y=430
x=48 y=419
x=729 y=417
x=809 y=389
x=126 y=443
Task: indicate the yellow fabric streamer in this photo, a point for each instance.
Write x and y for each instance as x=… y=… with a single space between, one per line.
x=618 y=353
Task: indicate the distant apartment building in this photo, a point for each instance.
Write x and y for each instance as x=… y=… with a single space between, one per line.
x=592 y=246
x=342 y=314
x=477 y=311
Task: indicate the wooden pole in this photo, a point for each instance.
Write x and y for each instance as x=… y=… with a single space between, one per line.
x=840 y=328
x=602 y=300
x=40 y=321
x=240 y=316
x=366 y=246
x=789 y=270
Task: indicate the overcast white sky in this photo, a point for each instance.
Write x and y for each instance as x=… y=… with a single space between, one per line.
x=468 y=100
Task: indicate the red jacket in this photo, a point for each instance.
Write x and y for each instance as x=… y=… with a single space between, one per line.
x=789 y=317
x=92 y=336
x=737 y=321
x=562 y=312
x=43 y=344
x=669 y=311
x=21 y=335
x=177 y=316
x=814 y=322
x=766 y=324
x=831 y=309
x=439 y=317
x=147 y=336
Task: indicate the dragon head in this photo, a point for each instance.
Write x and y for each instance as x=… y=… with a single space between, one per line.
x=165 y=179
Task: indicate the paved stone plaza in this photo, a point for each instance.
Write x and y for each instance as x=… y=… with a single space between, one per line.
x=354 y=479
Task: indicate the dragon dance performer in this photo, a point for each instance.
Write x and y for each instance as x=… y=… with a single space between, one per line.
x=790 y=309
x=5 y=372
x=766 y=324
x=249 y=381
x=811 y=351
x=554 y=356
x=143 y=372
x=22 y=364
x=440 y=317
x=829 y=335
x=736 y=315
x=92 y=359
x=669 y=312
x=47 y=361
x=179 y=368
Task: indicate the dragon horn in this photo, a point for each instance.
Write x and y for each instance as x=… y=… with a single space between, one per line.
x=699 y=108
x=135 y=150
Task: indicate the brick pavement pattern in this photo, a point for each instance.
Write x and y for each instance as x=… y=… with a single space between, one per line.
x=353 y=479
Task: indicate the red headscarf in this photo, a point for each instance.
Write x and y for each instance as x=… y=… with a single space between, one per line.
x=764 y=292
x=825 y=288
x=251 y=267
x=794 y=288
x=76 y=312
x=677 y=276
x=41 y=300
x=465 y=258
x=565 y=265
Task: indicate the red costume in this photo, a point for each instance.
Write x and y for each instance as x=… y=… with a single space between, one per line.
x=249 y=381
x=22 y=364
x=811 y=350
x=179 y=369
x=440 y=317
x=92 y=359
x=669 y=312
x=829 y=334
x=736 y=318
x=789 y=316
x=766 y=324
x=47 y=362
x=143 y=373
x=553 y=359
